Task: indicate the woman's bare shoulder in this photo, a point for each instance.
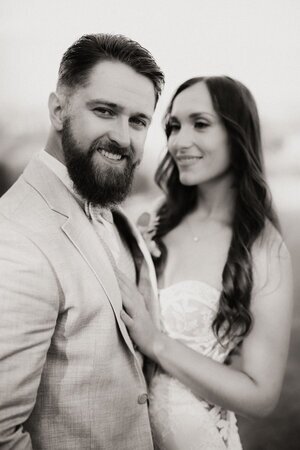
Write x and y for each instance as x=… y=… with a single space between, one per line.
x=270 y=243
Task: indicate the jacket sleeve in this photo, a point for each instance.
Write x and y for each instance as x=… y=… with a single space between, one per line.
x=29 y=303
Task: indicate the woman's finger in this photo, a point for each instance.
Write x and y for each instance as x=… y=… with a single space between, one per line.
x=128 y=304
x=126 y=318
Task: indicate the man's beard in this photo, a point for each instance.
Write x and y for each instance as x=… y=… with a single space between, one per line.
x=100 y=185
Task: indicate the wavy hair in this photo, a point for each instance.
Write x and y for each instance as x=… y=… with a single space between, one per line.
x=236 y=108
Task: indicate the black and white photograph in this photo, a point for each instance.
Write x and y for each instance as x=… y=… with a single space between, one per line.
x=149 y=225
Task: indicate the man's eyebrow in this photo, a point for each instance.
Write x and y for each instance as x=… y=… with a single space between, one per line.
x=97 y=101
x=116 y=107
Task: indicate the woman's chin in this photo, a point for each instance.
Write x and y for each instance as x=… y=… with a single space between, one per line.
x=188 y=180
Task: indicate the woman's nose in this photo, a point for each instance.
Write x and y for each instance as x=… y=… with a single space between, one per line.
x=182 y=139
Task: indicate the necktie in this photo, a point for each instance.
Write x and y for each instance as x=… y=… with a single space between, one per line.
x=103 y=223
x=120 y=275
x=98 y=212
x=143 y=281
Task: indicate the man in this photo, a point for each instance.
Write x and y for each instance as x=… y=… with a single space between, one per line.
x=69 y=375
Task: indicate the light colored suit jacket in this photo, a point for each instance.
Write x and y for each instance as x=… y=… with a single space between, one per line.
x=69 y=375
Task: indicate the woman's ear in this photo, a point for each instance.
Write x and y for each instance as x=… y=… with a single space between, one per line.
x=56 y=107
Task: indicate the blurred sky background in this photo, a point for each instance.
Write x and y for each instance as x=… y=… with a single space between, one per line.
x=255 y=41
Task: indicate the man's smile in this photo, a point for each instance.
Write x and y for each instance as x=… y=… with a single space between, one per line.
x=111 y=156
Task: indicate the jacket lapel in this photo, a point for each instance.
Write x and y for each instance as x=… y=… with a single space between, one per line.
x=146 y=273
x=146 y=279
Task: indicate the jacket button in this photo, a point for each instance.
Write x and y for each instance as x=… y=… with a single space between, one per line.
x=142 y=398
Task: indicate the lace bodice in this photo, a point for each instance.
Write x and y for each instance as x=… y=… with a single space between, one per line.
x=188 y=309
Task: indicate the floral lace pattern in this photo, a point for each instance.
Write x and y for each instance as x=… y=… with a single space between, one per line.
x=180 y=420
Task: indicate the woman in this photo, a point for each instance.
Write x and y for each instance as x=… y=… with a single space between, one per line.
x=223 y=271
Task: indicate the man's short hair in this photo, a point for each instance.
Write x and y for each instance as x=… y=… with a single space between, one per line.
x=80 y=58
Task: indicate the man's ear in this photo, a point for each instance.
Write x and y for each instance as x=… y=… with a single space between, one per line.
x=56 y=107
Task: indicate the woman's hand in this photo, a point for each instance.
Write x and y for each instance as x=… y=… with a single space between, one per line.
x=137 y=318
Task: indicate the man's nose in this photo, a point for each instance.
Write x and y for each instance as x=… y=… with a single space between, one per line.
x=120 y=132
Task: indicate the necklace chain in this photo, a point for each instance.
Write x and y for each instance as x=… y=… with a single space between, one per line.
x=196 y=236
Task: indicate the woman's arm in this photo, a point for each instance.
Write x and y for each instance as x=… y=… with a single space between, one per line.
x=252 y=389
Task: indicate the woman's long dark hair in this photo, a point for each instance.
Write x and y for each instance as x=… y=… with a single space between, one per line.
x=237 y=110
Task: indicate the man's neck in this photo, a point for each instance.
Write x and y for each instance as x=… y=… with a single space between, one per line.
x=54 y=146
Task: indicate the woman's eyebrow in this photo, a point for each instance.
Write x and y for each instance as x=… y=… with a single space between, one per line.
x=202 y=114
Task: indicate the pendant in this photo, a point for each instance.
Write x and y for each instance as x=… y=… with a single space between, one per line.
x=195 y=239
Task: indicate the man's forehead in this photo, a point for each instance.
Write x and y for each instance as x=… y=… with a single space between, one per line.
x=118 y=83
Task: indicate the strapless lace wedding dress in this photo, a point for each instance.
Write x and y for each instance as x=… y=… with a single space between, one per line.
x=181 y=421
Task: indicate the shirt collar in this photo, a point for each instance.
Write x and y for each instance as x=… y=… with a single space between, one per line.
x=61 y=172
x=58 y=168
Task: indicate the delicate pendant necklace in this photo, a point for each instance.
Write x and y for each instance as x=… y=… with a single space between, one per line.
x=195 y=236
x=203 y=233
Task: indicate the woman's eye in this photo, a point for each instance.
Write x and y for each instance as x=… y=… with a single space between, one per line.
x=138 y=122
x=173 y=127
x=201 y=124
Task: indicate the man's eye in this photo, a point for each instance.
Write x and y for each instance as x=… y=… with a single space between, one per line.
x=138 y=122
x=104 y=111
